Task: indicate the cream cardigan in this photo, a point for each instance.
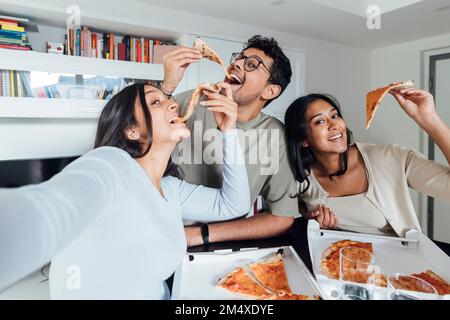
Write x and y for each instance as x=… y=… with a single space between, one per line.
x=392 y=170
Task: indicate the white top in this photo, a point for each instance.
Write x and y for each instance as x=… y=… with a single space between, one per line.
x=109 y=231
x=356 y=213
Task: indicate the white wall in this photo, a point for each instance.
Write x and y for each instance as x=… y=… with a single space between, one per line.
x=391 y=125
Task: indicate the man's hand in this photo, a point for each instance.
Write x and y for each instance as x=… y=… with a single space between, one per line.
x=324 y=216
x=193 y=236
x=176 y=63
x=223 y=106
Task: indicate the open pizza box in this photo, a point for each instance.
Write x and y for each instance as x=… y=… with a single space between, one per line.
x=197 y=276
x=415 y=253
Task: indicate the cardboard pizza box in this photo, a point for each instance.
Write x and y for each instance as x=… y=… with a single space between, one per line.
x=415 y=253
x=198 y=274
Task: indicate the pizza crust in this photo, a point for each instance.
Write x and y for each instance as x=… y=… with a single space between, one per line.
x=289 y=296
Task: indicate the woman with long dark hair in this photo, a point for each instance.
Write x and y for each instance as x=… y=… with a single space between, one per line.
x=111 y=221
x=363 y=187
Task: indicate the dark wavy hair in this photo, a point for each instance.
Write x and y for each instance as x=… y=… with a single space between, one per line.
x=118 y=115
x=281 y=71
x=302 y=158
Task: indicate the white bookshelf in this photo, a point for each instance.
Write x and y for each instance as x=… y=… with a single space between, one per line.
x=16 y=107
x=39 y=128
x=20 y=107
x=58 y=63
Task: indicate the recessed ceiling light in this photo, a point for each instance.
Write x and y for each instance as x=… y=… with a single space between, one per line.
x=278 y=2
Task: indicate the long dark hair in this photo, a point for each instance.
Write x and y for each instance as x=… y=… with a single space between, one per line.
x=118 y=115
x=302 y=158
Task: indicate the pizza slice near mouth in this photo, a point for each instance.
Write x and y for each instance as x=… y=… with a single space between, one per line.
x=208 y=53
x=193 y=100
x=374 y=98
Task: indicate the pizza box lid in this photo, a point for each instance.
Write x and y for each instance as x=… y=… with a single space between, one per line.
x=415 y=253
x=198 y=274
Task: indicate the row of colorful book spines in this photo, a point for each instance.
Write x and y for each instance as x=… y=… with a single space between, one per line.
x=9 y=27
x=14 y=42
x=25 y=47
x=13 y=34
x=89 y=44
x=15 y=84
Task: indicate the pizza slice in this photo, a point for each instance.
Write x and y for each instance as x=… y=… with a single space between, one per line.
x=193 y=100
x=373 y=98
x=208 y=53
x=289 y=296
x=240 y=282
x=329 y=264
x=442 y=286
x=272 y=274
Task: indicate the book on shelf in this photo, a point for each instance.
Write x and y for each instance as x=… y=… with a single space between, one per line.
x=15 y=84
x=12 y=35
x=80 y=41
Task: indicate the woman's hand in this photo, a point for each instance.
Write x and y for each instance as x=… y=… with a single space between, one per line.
x=223 y=106
x=324 y=216
x=175 y=64
x=418 y=104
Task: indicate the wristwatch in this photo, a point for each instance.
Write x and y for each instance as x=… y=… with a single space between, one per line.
x=205 y=233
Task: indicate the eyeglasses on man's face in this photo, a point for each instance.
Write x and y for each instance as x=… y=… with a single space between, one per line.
x=250 y=63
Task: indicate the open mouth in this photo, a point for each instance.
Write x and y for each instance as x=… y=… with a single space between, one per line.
x=174 y=120
x=336 y=137
x=234 y=80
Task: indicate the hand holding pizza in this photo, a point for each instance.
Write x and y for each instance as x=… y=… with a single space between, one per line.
x=418 y=104
x=223 y=106
x=324 y=216
x=176 y=63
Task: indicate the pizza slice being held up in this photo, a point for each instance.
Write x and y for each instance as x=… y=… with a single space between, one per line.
x=239 y=281
x=272 y=274
x=373 y=98
x=208 y=53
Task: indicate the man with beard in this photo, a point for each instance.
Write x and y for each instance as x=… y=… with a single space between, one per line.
x=259 y=74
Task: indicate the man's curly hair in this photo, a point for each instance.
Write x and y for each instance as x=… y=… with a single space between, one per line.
x=281 y=71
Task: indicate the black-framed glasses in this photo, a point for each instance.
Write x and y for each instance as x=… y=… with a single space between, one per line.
x=250 y=63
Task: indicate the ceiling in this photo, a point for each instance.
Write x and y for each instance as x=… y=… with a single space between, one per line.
x=401 y=20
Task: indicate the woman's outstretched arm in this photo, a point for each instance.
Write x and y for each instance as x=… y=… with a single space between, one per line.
x=37 y=221
x=419 y=105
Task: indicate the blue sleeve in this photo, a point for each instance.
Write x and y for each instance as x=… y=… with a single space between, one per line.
x=39 y=220
x=232 y=200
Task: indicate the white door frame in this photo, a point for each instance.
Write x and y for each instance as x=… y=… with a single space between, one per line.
x=424 y=145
